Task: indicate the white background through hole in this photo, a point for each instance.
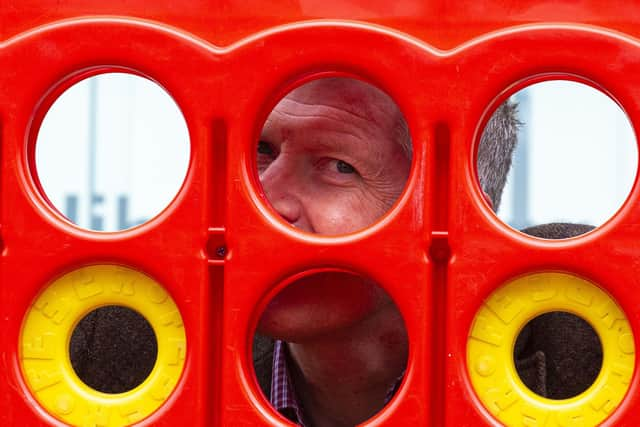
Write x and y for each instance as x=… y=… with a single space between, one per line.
x=112 y=152
x=576 y=159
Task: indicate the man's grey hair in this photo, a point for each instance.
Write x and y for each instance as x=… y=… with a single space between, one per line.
x=496 y=150
x=494 y=153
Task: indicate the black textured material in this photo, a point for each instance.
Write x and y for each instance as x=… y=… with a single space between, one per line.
x=532 y=370
x=263 y=362
x=570 y=351
x=557 y=230
x=113 y=349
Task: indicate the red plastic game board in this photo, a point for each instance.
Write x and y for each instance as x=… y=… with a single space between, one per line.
x=440 y=252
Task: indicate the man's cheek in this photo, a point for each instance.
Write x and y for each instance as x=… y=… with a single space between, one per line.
x=346 y=212
x=334 y=219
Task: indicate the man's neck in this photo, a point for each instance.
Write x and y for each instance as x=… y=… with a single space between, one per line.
x=342 y=378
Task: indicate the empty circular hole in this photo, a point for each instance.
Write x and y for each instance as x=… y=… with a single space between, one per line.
x=112 y=151
x=331 y=346
x=113 y=349
x=334 y=155
x=558 y=355
x=574 y=163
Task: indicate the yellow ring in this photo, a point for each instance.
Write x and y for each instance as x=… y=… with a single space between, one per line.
x=46 y=333
x=492 y=339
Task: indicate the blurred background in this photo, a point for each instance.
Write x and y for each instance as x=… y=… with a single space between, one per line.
x=576 y=158
x=113 y=151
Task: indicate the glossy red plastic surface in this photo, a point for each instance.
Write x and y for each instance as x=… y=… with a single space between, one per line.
x=439 y=252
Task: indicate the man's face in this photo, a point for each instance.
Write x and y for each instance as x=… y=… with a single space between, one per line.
x=330 y=158
x=331 y=161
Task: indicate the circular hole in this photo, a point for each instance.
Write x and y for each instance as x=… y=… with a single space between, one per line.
x=113 y=349
x=574 y=164
x=334 y=155
x=331 y=348
x=112 y=151
x=558 y=355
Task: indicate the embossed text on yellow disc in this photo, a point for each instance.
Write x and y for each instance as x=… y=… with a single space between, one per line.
x=47 y=329
x=492 y=339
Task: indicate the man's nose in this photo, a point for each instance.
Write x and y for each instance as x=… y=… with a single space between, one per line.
x=282 y=184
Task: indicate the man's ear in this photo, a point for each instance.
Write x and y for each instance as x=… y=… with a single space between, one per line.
x=488 y=200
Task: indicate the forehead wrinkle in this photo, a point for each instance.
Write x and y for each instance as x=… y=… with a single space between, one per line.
x=316 y=120
x=360 y=96
x=338 y=110
x=385 y=120
x=346 y=141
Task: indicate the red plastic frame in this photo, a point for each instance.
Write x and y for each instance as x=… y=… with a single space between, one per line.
x=447 y=249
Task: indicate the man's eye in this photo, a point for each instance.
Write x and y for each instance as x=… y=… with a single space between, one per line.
x=265 y=148
x=344 y=167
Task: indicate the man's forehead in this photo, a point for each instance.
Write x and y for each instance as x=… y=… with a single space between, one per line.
x=354 y=96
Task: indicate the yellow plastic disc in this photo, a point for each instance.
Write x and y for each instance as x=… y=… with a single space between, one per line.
x=46 y=333
x=492 y=339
